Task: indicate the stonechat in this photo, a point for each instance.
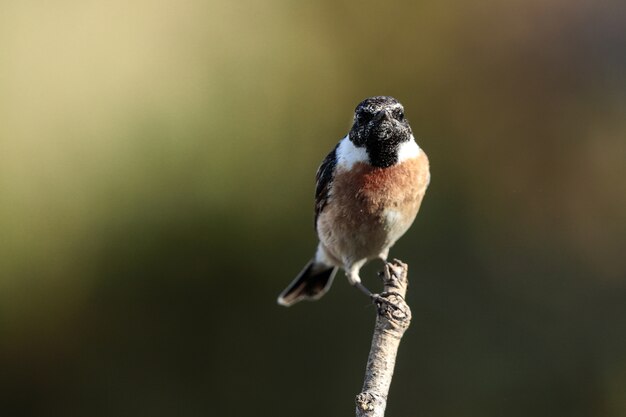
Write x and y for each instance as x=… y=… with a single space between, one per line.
x=368 y=192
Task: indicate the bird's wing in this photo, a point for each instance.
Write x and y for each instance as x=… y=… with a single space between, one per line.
x=324 y=179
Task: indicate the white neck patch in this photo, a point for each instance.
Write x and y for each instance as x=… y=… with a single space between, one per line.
x=408 y=150
x=348 y=154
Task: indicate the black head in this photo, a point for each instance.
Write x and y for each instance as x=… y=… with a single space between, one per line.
x=380 y=127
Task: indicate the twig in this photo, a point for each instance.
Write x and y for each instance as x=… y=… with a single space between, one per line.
x=394 y=317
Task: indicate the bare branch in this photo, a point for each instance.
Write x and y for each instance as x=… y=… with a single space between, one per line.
x=394 y=317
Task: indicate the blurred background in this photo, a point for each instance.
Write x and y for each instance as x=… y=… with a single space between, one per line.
x=157 y=163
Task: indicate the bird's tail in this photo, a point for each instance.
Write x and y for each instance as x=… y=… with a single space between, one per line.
x=310 y=284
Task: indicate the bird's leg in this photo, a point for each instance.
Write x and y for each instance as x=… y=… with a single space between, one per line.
x=355 y=280
x=364 y=289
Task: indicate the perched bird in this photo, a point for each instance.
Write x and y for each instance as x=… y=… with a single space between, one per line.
x=368 y=192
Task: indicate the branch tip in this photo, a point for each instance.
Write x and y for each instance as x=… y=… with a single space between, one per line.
x=393 y=318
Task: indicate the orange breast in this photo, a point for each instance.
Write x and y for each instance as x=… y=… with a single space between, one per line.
x=356 y=223
x=371 y=188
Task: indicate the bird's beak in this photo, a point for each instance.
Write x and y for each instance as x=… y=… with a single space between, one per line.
x=383 y=115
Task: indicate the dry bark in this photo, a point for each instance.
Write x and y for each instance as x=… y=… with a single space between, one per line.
x=393 y=318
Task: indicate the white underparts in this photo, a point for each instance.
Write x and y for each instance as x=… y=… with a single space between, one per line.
x=348 y=154
x=321 y=257
x=352 y=271
x=392 y=217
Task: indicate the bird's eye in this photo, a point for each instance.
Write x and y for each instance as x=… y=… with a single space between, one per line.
x=398 y=114
x=364 y=117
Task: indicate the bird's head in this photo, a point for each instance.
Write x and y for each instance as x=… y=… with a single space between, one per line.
x=380 y=127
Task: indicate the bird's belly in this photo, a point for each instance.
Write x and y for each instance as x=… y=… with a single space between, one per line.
x=371 y=208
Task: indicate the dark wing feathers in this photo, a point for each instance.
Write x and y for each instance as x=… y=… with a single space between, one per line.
x=324 y=178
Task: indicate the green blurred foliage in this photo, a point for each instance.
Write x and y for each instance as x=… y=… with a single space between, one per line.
x=156 y=178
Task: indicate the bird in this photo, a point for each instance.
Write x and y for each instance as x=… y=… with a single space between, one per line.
x=368 y=191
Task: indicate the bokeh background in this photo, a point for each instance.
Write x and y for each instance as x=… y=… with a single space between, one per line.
x=157 y=161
